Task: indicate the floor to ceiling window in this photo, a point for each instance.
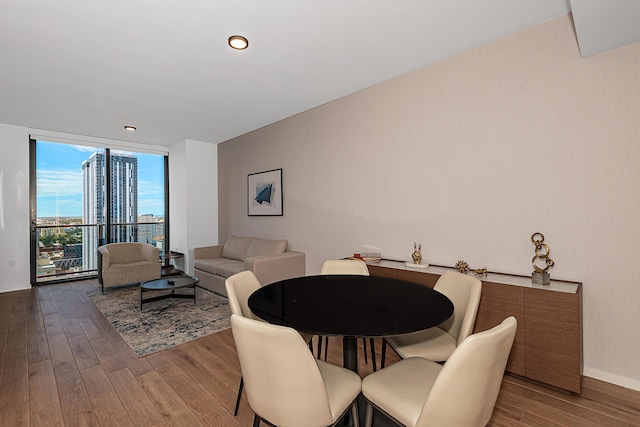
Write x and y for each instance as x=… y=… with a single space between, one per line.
x=86 y=196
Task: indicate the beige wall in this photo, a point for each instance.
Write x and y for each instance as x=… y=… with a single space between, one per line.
x=471 y=156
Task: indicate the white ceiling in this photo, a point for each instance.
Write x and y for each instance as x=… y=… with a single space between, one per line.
x=602 y=25
x=89 y=68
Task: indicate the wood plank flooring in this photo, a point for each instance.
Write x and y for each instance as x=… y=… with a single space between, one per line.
x=63 y=364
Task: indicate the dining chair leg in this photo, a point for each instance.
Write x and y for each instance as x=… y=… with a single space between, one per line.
x=373 y=353
x=326 y=347
x=368 y=416
x=372 y=346
x=355 y=417
x=235 y=412
x=384 y=353
x=319 y=346
x=364 y=344
x=256 y=421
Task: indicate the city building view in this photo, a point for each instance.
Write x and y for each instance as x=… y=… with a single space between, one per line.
x=67 y=245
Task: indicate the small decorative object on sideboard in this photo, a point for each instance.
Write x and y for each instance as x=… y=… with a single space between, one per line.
x=540 y=275
x=371 y=256
x=481 y=271
x=416 y=257
x=462 y=267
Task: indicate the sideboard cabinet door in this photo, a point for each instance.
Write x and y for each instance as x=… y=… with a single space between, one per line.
x=553 y=337
x=498 y=302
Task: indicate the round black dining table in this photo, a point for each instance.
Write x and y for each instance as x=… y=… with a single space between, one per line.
x=350 y=306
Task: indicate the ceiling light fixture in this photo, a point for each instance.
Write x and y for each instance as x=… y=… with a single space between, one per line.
x=238 y=42
x=130 y=128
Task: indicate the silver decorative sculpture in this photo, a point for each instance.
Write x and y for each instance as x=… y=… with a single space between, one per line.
x=540 y=275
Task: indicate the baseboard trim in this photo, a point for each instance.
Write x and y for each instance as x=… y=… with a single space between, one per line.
x=15 y=288
x=611 y=379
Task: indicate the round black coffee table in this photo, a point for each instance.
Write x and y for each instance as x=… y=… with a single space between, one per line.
x=350 y=306
x=169 y=284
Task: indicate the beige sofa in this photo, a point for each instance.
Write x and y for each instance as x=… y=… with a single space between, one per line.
x=127 y=263
x=269 y=260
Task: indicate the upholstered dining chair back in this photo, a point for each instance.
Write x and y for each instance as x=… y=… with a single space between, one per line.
x=239 y=288
x=283 y=381
x=344 y=266
x=464 y=292
x=467 y=387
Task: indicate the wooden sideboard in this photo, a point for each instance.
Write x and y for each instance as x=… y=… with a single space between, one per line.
x=548 y=342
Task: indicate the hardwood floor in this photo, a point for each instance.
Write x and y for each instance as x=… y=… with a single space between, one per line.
x=63 y=364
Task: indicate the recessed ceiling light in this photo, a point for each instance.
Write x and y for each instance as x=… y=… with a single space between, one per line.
x=130 y=128
x=238 y=42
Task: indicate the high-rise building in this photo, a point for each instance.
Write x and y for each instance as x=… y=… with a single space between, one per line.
x=123 y=203
x=147 y=229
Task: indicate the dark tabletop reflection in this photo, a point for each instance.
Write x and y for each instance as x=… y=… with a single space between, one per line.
x=348 y=305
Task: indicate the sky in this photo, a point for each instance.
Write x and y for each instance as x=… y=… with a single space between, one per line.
x=59 y=180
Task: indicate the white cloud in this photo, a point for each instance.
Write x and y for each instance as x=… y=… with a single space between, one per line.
x=61 y=183
x=85 y=149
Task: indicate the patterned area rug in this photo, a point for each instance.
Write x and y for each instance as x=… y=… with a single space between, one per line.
x=165 y=323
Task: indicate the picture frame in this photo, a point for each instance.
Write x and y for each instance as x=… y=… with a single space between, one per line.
x=264 y=193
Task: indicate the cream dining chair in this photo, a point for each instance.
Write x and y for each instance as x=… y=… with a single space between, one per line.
x=347 y=266
x=239 y=288
x=417 y=392
x=285 y=385
x=439 y=342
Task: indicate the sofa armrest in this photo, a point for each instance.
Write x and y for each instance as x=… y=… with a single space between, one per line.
x=273 y=268
x=150 y=253
x=104 y=257
x=207 y=252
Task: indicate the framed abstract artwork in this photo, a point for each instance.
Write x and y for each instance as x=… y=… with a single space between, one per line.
x=264 y=193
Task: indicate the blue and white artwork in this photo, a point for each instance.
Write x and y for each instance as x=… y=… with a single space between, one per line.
x=264 y=193
x=264 y=190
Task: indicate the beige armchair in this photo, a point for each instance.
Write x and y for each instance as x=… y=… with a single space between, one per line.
x=417 y=392
x=286 y=386
x=127 y=263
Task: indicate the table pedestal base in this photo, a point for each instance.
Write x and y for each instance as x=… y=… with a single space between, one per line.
x=350 y=353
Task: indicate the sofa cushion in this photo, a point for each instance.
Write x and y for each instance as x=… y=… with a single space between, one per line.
x=230 y=268
x=260 y=247
x=210 y=264
x=236 y=247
